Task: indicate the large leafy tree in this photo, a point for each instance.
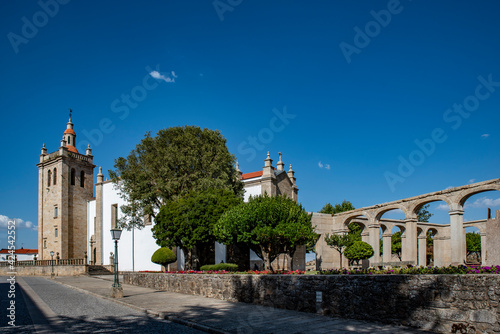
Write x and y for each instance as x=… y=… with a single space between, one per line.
x=167 y=166
x=332 y=209
x=268 y=225
x=188 y=222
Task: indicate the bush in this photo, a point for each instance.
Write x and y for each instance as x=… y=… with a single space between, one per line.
x=220 y=267
x=163 y=256
x=359 y=250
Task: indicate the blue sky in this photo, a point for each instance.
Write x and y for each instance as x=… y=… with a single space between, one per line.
x=343 y=89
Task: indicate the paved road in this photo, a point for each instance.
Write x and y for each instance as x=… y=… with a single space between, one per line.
x=43 y=306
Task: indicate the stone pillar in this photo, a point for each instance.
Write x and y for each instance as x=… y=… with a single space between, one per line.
x=387 y=254
x=483 y=248
x=457 y=237
x=409 y=244
x=422 y=250
x=99 y=218
x=374 y=242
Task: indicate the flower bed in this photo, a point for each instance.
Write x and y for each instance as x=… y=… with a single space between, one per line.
x=250 y=272
x=416 y=271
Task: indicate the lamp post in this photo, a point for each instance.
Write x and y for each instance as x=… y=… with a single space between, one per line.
x=52 y=264
x=116 y=290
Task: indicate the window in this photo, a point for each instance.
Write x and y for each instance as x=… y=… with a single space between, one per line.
x=114 y=215
x=55 y=212
x=82 y=179
x=69 y=140
x=55 y=177
x=148 y=220
x=55 y=232
x=49 y=177
x=72 y=176
x=44 y=243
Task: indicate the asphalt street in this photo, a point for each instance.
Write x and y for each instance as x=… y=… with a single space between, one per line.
x=43 y=306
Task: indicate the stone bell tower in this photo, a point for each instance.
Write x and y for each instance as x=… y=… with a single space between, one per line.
x=65 y=184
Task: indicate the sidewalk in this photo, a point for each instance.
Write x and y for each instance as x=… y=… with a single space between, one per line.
x=218 y=316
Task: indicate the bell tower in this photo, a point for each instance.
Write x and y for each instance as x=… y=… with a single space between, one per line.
x=65 y=184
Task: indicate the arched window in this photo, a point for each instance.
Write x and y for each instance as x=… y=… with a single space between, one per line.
x=55 y=177
x=49 y=177
x=69 y=140
x=73 y=176
x=82 y=179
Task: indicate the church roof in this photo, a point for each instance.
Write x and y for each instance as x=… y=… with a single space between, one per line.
x=20 y=251
x=70 y=131
x=71 y=148
x=251 y=175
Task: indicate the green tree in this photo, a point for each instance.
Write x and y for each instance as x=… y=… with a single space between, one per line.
x=339 y=242
x=165 y=167
x=344 y=206
x=359 y=250
x=188 y=223
x=268 y=225
x=473 y=241
x=423 y=215
x=163 y=256
x=396 y=245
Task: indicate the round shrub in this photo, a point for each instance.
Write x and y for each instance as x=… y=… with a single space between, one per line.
x=163 y=256
x=359 y=250
x=220 y=267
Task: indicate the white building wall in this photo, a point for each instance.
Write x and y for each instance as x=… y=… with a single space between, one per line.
x=252 y=191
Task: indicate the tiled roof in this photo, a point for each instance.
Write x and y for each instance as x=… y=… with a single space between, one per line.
x=20 y=251
x=71 y=131
x=251 y=175
x=71 y=148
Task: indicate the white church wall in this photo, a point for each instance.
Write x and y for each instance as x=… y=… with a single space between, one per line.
x=135 y=247
x=251 y=191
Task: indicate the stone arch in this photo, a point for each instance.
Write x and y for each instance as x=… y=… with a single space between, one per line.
x=347 y=221
x=416 y=205
x=466 y=194
x=379 y=213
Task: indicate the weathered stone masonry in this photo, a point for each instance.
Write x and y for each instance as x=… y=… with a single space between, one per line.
x=440 y=303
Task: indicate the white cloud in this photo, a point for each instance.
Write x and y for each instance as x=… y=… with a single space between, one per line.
x=484 y=202
x=20 y=224
x=485 y=135
x=321 y=165
x=443 y=206
x=472 y=180
x=157 y=75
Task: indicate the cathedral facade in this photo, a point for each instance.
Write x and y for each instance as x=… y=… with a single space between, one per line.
x=74 y=222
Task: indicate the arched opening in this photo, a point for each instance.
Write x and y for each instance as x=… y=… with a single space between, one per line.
x=82 y=179
x=391 y=244
x=473 y=245
x=49 y=177
x=55 y=176
x=73 y=176
x=429 y=241
x=397 y=249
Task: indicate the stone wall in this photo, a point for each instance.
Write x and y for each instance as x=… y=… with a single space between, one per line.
x=441 y=303
x=69 y=270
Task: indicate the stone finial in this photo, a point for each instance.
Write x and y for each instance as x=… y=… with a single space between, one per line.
x=44 y=149
x=237 y=166
x=280 y=164
x=100 y=177
x=268 y=171
x=89 y=150
x=268 y=161
x=291 y=174
x=63 y=142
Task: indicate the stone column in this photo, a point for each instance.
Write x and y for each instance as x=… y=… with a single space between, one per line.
x=387 y=254
x=457 y=237
x=483 y=248
x=374 y=242
x=99 y=219
x=422 y=250
x=409 y=244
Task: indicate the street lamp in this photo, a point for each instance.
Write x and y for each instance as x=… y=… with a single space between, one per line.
x=52 y=264
x=116 y=290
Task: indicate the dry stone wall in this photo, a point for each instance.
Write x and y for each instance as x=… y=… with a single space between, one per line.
x=441 y=303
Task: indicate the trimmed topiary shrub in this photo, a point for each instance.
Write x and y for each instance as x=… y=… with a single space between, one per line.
x=163 y=256
x=220 y=267
x=359 y=250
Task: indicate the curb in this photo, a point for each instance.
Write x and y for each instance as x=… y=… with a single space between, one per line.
x=161 y=315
